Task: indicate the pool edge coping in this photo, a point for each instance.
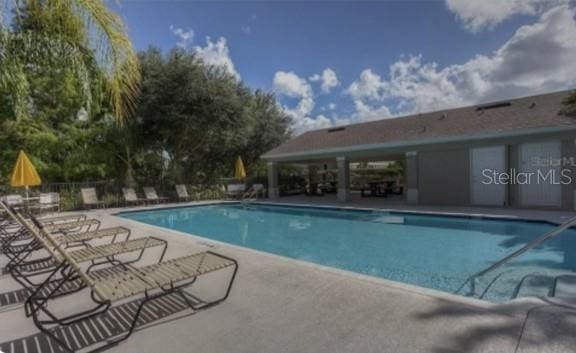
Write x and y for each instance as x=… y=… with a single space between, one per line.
x=349 y=208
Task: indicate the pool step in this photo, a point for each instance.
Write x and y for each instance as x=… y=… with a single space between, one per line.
x=534 y=285
x=565 y=286
x=511 y=285
x=537 y=285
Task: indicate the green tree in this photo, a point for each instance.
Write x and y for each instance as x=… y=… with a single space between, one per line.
x=191 y=121
x=51 y=133
x=200 y=119
x=82 y=36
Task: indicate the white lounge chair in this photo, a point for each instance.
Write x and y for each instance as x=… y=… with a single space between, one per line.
x=48 y=201
x=254 y=192
x=235 y=191
x=14 y=200
x=151 y=195
x=131 y=198
x=90 y=198
x=182 y=193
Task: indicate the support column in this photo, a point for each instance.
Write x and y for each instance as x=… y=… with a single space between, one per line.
x=412 y=177
x=343 y=179
x=273 y=191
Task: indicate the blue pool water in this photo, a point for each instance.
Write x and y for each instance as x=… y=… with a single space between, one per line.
x=437 y=252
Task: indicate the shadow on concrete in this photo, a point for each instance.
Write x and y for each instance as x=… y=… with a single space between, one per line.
x=523 y=326
x=98 y=330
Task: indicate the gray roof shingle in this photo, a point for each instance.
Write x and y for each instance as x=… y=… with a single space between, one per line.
x=522 y=113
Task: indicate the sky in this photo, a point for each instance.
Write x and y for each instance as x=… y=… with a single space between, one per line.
x=339 y=62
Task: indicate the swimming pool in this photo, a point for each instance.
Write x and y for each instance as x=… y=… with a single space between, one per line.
x=438 y=252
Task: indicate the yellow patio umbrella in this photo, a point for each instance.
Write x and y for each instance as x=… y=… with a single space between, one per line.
x=239 y=170
x=24 y=173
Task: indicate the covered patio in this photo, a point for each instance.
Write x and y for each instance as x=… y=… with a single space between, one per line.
x=384 y=179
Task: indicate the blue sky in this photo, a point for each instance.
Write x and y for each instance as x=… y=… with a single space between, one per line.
x=336 y=62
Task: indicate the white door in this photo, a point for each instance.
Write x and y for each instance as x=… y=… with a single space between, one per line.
x=537 y=162
x=486 y=163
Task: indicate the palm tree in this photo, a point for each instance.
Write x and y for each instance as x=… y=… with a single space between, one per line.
x=83 y=36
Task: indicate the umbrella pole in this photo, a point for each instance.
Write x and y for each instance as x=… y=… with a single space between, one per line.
x=27 y=200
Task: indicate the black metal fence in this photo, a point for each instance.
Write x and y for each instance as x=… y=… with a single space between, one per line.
x=110 y=192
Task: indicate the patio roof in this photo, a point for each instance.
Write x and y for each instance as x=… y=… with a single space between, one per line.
x=521 y=116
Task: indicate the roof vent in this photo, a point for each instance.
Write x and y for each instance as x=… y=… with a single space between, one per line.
x=532 y=105
x=443 y=116
x=493 y=106
x=336 y=129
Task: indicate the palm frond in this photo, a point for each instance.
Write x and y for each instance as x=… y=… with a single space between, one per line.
x=21 y=52
x=104 y=44
x=114 y=52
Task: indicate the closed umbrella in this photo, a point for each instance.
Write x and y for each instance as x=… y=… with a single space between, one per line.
x=24 y=173
x=239 y=170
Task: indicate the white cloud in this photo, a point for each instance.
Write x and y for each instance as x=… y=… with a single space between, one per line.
x=217 y=54
x=365 y=112
x=538 y=58
x=331 y=106
x=328 y=80
x=307 y=123
x=486 y=14
x=185 y=37
x=369 y=86
x=291 y=85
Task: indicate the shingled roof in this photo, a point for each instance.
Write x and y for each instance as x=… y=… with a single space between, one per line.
x=528 y=113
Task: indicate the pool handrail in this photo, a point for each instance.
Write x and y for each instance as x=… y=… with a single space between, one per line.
x=535 y=242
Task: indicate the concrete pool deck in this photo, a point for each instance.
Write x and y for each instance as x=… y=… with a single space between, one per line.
x=285 y=305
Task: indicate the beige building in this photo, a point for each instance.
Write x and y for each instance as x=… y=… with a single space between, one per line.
x=515 y=153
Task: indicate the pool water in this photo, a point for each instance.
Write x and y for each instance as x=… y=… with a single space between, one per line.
x=438 y=252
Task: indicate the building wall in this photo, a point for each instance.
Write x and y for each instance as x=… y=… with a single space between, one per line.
x=444 y=177
x=514 y=163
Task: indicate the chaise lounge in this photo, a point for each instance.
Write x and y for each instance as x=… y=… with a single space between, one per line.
x=145 y=284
